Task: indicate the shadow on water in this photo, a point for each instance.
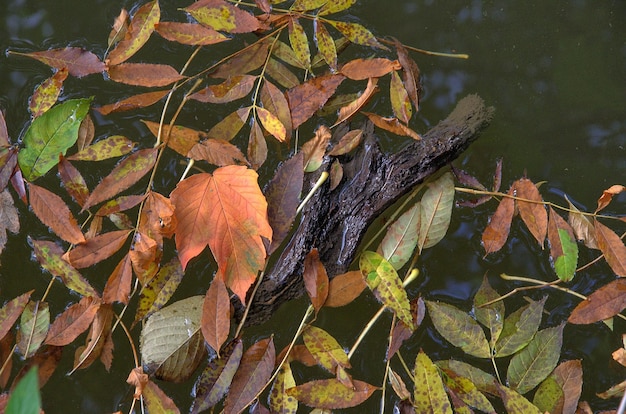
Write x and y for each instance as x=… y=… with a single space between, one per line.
x=554 y=71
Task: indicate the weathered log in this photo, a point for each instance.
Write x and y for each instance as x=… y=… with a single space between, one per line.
x=335 y=221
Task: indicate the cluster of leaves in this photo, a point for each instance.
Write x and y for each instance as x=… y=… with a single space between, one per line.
x=285 y=85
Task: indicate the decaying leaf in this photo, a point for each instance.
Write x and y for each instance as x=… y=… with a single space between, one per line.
x=603 y=303
x=325 y=349
x=144 y=74
x=315 y=148
x=141 y=100
x=607 y=196
x=217 y=152
x=109 y=147
x=77 y=61
x=344 y=288
x=158 y=291
x=497 y=231
x=612 y=247
x=223 y=16
x=34 y=325
x=531 y=209
x=331 y=394
x=310 y=96
x=9 y=220
x=233 y=88
x=189 y=33
x=46 y=94
x=97 y=248
x=315 y=279
x=519 y=328
x=279 y=400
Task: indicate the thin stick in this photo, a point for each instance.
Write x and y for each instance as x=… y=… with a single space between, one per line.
x=318 y=184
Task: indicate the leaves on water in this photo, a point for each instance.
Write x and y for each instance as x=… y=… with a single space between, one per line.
x=315 y=148
x=77 y=61
x=310 y=96
x=315 y=279
x=46 y=94
x=401 y=237
x=344 y=288
x=141 y=27
x=331 y=394
x=612 y=247
x=497 y=231
x=34 y=325
x=144 y=74
x=215 y=321
x=9 y=220
x=436 y=211
x=54 y=213
x=72 y=322
x=11 y=311
x=531 y=209
x=563 y=247
x=223 y=16
x=603 y=303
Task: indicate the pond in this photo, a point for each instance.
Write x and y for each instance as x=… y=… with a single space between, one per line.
x=554 y=71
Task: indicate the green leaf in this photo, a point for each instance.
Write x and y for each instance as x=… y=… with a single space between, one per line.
x=515 y=403
x=563 y=247
x=535 y=362
x=384 y=281
x=25 y=397
x=519 y=329
x=436 y=211
x=34 y=324
x=325 y=349
x=491 y=316
x=549 y=396
x=465 y=389
x=483 y=381
x=401 y=238
x=429 y=394
x=458 y=328
x=51 y=134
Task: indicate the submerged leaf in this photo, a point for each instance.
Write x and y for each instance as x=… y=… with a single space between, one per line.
x=344 y=288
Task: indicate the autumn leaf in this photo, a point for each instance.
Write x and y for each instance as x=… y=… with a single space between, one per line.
x=257 y=146
x=607 y=196
x=349 y=141
x=331 y=394
x=361 y=69
x=392 y=125
x=98 y=248
x=120 y=28
x=34 y=325
x=77 y=61
x=272 y=124
x=189 y=33
x=436 y=211
x=247 y=60
x=563 y=247
x=299 y=43
x=233 y=88
x=223 y=16
x=46 y=94
x=310 y=96
x=125 y=174
x=569 y=376
x=325 y=44
x=9 y=220
x=141 y=100
x=582 y=226
x=118 y=286
x=346 y=112
x=497 y=231
x=325 y=349
x=411 y=74
x=281 y=74
x=226 y=211
x=139 y=379
x=11 y=311
x=72 y=322
x=145 y=256
x=230 y=125
x=532 y=212
x=279 y=401
x=315 y=148
x=519 y=329
x=73 y=181
x=516 y=403
x=612 y=247
x=54 y=213
x=315 y=279
x=401 y=238
x=356 y=33
x=215 y=322
x=492 y=315
x=603 y=303
x=109 y=147
x=141 y=27
x=144 y=74
x=157 y=401
x=344 y=288
x=179 y=138
x=8 y=161
x=399 y=97
x=217 y=152
x=274 y=101
x=121 y=203
x=429 y=393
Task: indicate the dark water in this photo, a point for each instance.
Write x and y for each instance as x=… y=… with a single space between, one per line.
x=556 y=73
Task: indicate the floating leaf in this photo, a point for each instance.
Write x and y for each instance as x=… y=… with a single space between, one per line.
x=436 y=211
x=607 y=196
x=215 y=321
x=145 y=255
x=110 y=147
x=315 y=279
x=141 y=100
x=310 y=96
x=549 y=396
x=257 y=146
x=73 y=181
x=223 y=16
x=401 y=238
x=336 y=6
x=178 y=138
x=141 y=27
x=274 y=101
x=217 y=152
x=8 y=161
x=77 y=61
x=315 y=148
x=519 y=329
x=144 y=74
x=34 y=324
x=120 y=28
x=233 y=88
x=157 y=401
x=346 y=112
x=563 y=247
x=299 y=43
x=226 y=211
x=158 y=291
x=349 y=141
x=279 y=401
x=117 y=288
x=54 y=213
x=344 y=288
x=458 y=328
x=52 y=133
x=612 y=247
x=9 y=220
x=356 y=33
x=491 y=316
x=253 y=373
x=569 y=376
x=272 y=124
x=331 y=394
x=325 y=349
x=11 y=311
x=121 y=203
x=46 y=93
x=392 y=125
x=466 y=391
x=125 y=174
x=97 y=248
x=361 y=69
x=411 y=74
x=532 y=212
x=582 y=226
x=429 y=394
x=25 y=397
x=484 y=382
x=99 y=342
x=497 y=231
x=384 y=281
x=281 y=74
x=325 y=44
x=189 y=33
x=399 y=97
x=229 y=126
x=171 y=342
x=306 y=5
x=603 y=303
x=48 y=255
x=247 y=60
x=515 y=403
x=72 y=322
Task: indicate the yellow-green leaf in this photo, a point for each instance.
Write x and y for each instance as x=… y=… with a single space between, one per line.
x=357 y=33
x=331 y=394
x=46 y=94
x=549 y=396
x=519 y=329
x=335 y=6
x=400 y=102
x=563 y=247
x=325 y=349
x=516 y=403
x=110 y=147
x=159 y=290
x=458 y=328
x=299 y=43
x=401 y=238
x=141 y=27
x=436 y=211
x=429 y=394
x=272 y=124
x=467 y=391
x=223 y=16
x=325 y=45
x=491 y=316
x=34 y=324
x=230 y=126
x=279 y=400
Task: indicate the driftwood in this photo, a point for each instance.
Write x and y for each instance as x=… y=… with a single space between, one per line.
x=335 y=221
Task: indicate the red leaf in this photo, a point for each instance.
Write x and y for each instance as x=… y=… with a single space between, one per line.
x=79 y=62
x=310 y=96
x=247 y=60
x=604 y=303
x=54 y=213
x=497 y=231
x=144 y=74
x=217 y=152
x=117 y=288
x=361 y=69
x=97 y=249
x=315 y=279
x=73 y=181
x=233 y=88
x=72 y=322
x=133 y=102
x=215 y=323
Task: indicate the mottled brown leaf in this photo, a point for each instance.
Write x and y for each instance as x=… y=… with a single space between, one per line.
x=357 y=33
x=223 y=16
x=120 y=27
x=229 y=126
x=245 y=61
x=46 y=94
x=159 y=290
x=315 y=148
x=272 y=124
x=411 y=74
x=181 y=139
x=97 y=249
x=189 y=33
x=141 y=27
x=275 y=102
x=310 y=96
x=281 y=74
x=233 y=88
x=325 y=45
x=604 y=303
x=257 y=146
x=72 y=322
x=141 y=100
x=73 y=181
x=77 y=61
x=400 y=102
x=11 y=311
x=299 y=43
x=144 y=74
x=331 y=394
x=569 y=375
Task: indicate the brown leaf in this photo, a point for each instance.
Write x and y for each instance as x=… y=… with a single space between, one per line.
x=344 y=288
x=612 y=247
x=315 y=148
x=532 y=212
x=582 y=226
x=607 y=196
x=77 y=61
x=72 y=322
x=349 y=141
x=361 y=69
x=98 y=342
x=245 y=61
x=411 y=74
x=355 y=106
x=189 y=33
x=497 y=231
x=145 y=256
x=233 y=88
x=141 y=27
x=86 y=132
x=257 y=146
x=336 y=174
x=217 y=152
x=604 y=303
x=4 y=134
x=141 y=100
x=46 y=359
x=315 y=279
x=121 y=203
x=331 y=394
x=179 y=138
x=400 y=102
x=310 y=96
x=124 y=175
x=392 y=125
x=73 y=181
x=54 y=213
x=144 y=74
x=120 y=27
x=11 y=311
x=569 y=375
x=97 y=249
x=9 y=220
x=8 y=161
x=215 y=323
x=139 y=379
x=254 y=370
x=117 y=288
x=223 y=16
x=46 y=94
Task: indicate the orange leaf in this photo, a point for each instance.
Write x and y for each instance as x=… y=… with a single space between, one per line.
x=157 y=217
x=257 y=146
x=189 y=33
x=299 y=43
x=217 y=152
x=141 y=27
x=604 y=303
x=139 y=379
x=254 y=370
x=344 y=288
x=133 y=102
x=227 y=212
x=607 y=196
x=79 y=62
x=612 y=247
x=230 y=126
x=179 y=138
x=223 y=16
x=54 y=213
x=411 y=74
x=144 y=74
x=145 y=256
x=361 y=69
x=46 y=94
x=532 y=212
x=117 y=288
x=274 y=101
x=272 y=124
x=392 y=125
x=349 y=141
x=400 y=102
x=247 y=60
x=231 y=89
x=353 y=107
x=73 y=181
x=86 y=133
x=125 y=174
x=72 y=322
x=315 y=279
x=310 y=96
x=332 y=394
x=97 y=249
x=11 y=311
x=215 y=324
x=497 y=231
x=315 y=148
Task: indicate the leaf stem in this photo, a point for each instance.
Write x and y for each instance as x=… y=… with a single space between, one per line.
x=318 y=184
x=429 y=52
